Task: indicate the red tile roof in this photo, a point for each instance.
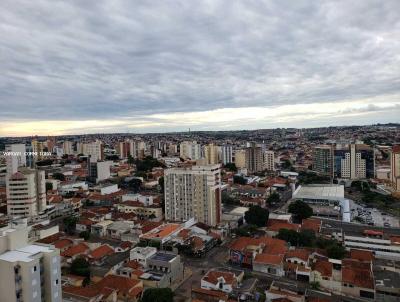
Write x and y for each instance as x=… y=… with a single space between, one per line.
x=100 y=252
x=60 y=244
x=269 y=259
x=270 y=245
x=324 y=267
x=313 y=224
x=213 y=276
x=123 y=285
x=302 y=254
x=357 y=273
x=80 y=248
x=276 y=224
x=361 y=255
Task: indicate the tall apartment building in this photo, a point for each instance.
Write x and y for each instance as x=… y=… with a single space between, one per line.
x=26 y=193
x=99 y=170
x=94 y=149
x=30 y=273
x=211 y=154
x=354 y=161
x=254 y=158
x=190 y=150
x=123 y=149
x=323 y=160
x=15 y=157
x=37 y=147
x=240 y=159
x=193 y=192
x=226 y=154
x=269 y=160
x=395 y=167
x=68 y=147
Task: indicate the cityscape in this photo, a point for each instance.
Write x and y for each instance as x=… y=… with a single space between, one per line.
x=204 y=151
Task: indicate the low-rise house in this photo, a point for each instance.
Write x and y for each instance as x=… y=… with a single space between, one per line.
x=100 y=229
x=84 y=224
x=221 y=280
x=274 y=225
x=270 y=264
x=116 y=229
x=358 y=279
x=153 y=211
x=73 y=252
x=208 y=295
x=98 y=255
x=142 y=254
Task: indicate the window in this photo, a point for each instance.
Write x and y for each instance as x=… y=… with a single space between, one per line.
x=56 y=281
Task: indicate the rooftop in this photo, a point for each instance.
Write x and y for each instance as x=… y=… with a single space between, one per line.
x=320 y=192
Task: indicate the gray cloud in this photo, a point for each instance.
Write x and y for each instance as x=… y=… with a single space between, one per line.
x=77 y=60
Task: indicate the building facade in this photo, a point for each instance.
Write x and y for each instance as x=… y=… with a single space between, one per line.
x=254 y=158
x=395 y=168
x=323 y=160
x=269 y=160
x=226 y=154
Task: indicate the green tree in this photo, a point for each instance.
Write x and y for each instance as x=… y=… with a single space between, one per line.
x=70 y=225
x=80 y=267
x=161 y=183
x=135 y=184
x=274 y=198
x=49 y=186
x=85 y=235
x=131 y=161
x=237 y=179
x=59 y=176
x=290 y=236
x=257 y=215
x=227 y=199
x=158 y=295
x=231 y=167
x=336 y=251
x=300 y=209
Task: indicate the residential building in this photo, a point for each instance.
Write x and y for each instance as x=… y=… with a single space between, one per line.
x=100 y=170
x=37 y=148
x=211 y=154
x=28 y=272
x=221 y=280
x=226 y=154
x=94 y=149
x=26 y=193
x=254 y=158
x=354 y=161
x=190 y=150
x=323 y=160
x=193 y=192
x=15 y=157
x=269 y=160
x=395 y=167
x=68 y=147
x=240 y=159
x=142 y=254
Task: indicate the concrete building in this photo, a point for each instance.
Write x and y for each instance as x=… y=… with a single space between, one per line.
x=165 y=269
x=323 y=160
x=211 y=154
x=354 y=161
x=37 y=147
x=226 y=154
x=395 y=168
x=269 y=160
x=193 y=193
x=123 y=149
x=94 y=149
x=26 y=193
x=254 y=158
x=190 y=150
x=240 y=159
x=100 y=170
x=15 y=157
x=28 y=272
x=68 y=147
x=142 y=254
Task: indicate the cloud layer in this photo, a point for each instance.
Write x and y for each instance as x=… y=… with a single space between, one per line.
x=156 y=65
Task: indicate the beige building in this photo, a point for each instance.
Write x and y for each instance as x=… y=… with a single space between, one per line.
x=269 y=160
x=395 y=168
x=37 y=147
x=15 y=157
x=68 y=147
x=190 y=150
x=240 y=159
x=28 y=272
x=94 y=150
x=254 y=158
x=26 y=192
x=211 y=154
x=193 y=192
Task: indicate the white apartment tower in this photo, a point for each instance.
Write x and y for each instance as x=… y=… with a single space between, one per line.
x=94 y=149
x=28 y=273
x=226 y=154
x=269 y=160
x=26 y=193
x=193 y=193
x=353 y=166
x=190 y=150
x=15 y=157
x=395 y=168
x=68 y=147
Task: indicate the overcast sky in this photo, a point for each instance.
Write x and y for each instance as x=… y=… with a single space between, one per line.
x=145 y=66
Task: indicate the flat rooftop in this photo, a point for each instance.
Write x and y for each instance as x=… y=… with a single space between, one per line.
x=24 y=254
x=161 y=256
x=334 y=192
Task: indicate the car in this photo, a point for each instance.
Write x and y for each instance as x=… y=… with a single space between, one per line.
x=386 y=224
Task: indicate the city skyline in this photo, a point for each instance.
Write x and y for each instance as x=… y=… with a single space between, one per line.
x=75 y=68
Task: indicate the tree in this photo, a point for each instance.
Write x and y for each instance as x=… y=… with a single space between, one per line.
x=231 y=167
x=336 y=251
x=290 y=236
x=135 y=184
x=85 y=235
x=80 y=267
x=257 y=215
x=237 y=179
x=227 y=199
x=274 y=198
x=70 y=224
x=130 y=159
x=59 y=176
x=49 y=186
x=158 y=295
x=161 y=183
x=300 y=209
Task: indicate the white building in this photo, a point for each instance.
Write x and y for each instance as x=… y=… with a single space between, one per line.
x=68 y=147
x=100 y=170
x=269 y=160
x=395 y=168
x=193 y=193
x=28 y=272
x=190 y=150
x=226 y=154
x=15 y=157
x=141 y=254
x=94 y=150
x=26 y=193
x=211 y=154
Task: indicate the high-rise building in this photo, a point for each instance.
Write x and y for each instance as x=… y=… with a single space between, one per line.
x=28 y=272
x=226 y=154
x=26 y=192
x=15 y=157
x=254 y=158
x=124 y=149
x=211 y=154
x=323 y=160
x=395 y=167
x=94 y=149
x=240 y=159
x=193 y=192
x=269 y=160
x=68 y=147
x=190 y=150
x=38 y=148
x=99 y=170
x=354 y=161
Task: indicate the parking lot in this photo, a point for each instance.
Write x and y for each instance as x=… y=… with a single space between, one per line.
x=372 y=216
